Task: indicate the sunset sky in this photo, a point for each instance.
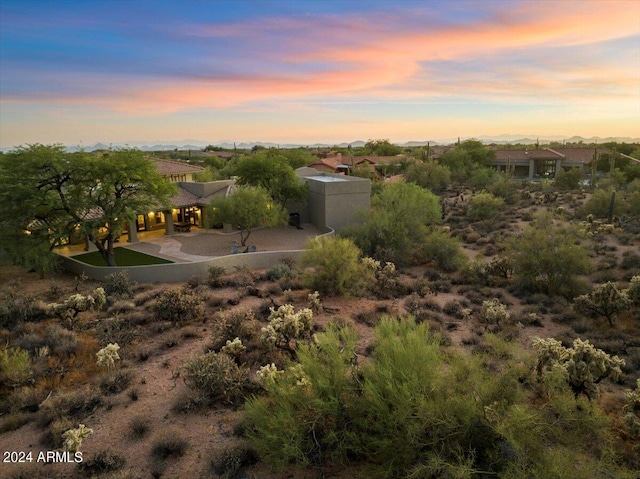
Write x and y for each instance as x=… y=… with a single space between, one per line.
x=79 y=72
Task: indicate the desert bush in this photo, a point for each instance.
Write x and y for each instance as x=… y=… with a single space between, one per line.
x=114 y=383
x=547 y=258
x=102 y=462
x=337 y=268
x=568 y=179
x=119 y=329
x=178 y=306
x=631 y=410
x=169 y=444
x=16 y=308
x=119 y=285
x=429 y=175
x=228 y=461
x=139 y=427
x=484 y=206
x=58 y=340
x=604 y=300
x=74 y=405
x=444 y=250
x=216 y=376
x=15 y=368
x=215 y=274
x=282 y=271
x=630 y=260
x=633 y=293
x=236 y=323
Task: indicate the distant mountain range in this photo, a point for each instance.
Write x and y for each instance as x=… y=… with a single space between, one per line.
x=228 y=144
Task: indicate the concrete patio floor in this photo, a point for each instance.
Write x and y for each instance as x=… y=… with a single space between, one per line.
x=205 y=244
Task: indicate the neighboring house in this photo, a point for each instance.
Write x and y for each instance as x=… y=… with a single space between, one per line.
x=343 y=164
x=540 y=163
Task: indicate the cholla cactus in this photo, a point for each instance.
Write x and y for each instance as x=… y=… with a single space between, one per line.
x=73 y=437
x=297 y=372
x=233 y=348
x=633 y=293
x=386 y=277
x=605 y=300
x=494 y=312
x=78 y=303
x=268 y=374
x=583 y=365
x=108 y=356
x=286 y=325
x=314 y=302
x=371 y=264
x=631 y=410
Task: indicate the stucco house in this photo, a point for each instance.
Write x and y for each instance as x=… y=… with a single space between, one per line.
x=540 y=163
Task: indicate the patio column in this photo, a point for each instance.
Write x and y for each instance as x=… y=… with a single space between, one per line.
x=203 y=217
x=532 y=168
x=132 y=233
x=168 y=222
x=558 y=165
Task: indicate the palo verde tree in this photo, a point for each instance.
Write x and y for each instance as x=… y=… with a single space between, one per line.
x=271 y=170
x=49 y=194
x=247 y=208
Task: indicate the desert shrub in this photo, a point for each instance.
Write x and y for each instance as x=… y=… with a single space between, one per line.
x=568 y=179
x=216 y=377
x=102 y=462
x=604 y=300
x=630 y=260
x=546 y=258
x=302 y=418
x=233 y=324
x=139 y=427
x=484 y=206
x=444 y=250
x=74 y=405
x=169 y=444
x=15 y=368
x=119 y=284
x=282 y=271
x=228 y=461
x=16 y=308
x=429 y=175
x=58 y=340
x=178 y=306
x=337 y=268
x=631 y=410
x=117 y=330
x=505 y=188
x=633 y=292
x=117 y=382
x=214 y=277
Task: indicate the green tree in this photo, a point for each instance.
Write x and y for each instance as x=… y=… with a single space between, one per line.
x=382 y=147
x=271 y=170
x=53 y=194
x=466 y=158
x=429 y=175
x=548 y=258
x=568 y=179
x=247 y=208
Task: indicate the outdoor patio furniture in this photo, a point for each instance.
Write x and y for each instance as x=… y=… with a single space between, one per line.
x=182 y=227
x=251 y=249
x=234 y=249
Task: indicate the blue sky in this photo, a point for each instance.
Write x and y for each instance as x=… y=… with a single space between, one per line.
x=78 y=72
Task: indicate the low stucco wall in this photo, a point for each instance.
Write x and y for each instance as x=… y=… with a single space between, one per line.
x=180 y=272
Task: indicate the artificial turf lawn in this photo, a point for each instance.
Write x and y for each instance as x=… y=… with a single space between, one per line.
x=124 y=257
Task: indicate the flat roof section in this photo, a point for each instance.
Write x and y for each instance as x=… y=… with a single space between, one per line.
x=326 y=179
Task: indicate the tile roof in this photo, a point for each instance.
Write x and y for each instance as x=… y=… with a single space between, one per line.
x=170 y=167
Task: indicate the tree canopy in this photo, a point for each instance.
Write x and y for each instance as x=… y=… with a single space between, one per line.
x=52 y=194
x=269 y=169
x=248 y=208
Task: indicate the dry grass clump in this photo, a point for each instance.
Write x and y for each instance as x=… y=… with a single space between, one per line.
x=169 y=444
